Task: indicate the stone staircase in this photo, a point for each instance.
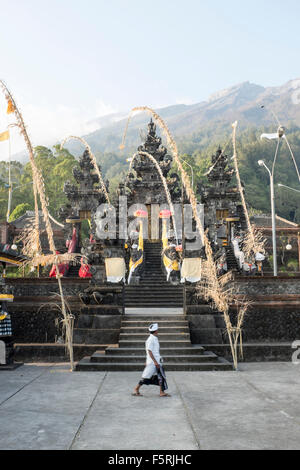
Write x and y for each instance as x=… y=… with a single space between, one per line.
x=154 y=300
x=175 y=347
x=153 y=289
x=232 y=264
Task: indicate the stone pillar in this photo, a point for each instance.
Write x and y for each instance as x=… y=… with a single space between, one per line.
x=298 y=238
x=2 y=353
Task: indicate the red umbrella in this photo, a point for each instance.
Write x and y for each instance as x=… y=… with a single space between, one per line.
x=165 y=214
x=141 y=213
x=178 y=248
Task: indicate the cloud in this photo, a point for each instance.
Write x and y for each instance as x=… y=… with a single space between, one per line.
x=184 y=100
x=48 y=124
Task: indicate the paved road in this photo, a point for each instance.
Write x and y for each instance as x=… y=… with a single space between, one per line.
x=47 y=407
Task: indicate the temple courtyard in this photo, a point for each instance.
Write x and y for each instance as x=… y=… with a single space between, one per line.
x=45 y=406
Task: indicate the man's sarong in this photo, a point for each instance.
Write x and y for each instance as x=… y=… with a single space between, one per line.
x=157 y=379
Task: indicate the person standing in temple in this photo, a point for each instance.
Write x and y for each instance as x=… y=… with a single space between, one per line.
x=153 y=373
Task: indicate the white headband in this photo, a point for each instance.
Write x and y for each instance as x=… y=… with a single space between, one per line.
x=153 y=327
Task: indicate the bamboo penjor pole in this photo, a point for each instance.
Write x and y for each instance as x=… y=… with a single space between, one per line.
x=38 y=185
x=254 y=242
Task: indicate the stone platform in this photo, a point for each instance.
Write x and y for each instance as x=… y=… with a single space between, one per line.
x=46 y=407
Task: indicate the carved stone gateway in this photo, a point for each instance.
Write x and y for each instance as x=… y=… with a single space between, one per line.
x=145 y=187
x=146 y=194
x=221 y=200
x=84 y=200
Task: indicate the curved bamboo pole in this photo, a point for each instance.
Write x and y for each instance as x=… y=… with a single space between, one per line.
x=93 y=159
x=21 y=125
x=38 y=184
x=254 y=242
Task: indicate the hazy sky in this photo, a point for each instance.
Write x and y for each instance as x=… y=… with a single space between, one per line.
x=68 y=61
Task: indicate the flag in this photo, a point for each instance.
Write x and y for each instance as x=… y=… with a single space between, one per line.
x=4 y=136
x=10 y=107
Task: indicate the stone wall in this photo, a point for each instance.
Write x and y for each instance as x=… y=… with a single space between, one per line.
x=44 y=286
x=36 y=317
x=273 y=317
x=270 y=324
x=267 y=285
x=33 y=326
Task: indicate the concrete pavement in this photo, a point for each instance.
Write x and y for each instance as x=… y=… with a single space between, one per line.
x=44 y=406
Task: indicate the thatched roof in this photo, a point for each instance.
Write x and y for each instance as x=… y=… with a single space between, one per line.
x=265 y=221
x=27 y=219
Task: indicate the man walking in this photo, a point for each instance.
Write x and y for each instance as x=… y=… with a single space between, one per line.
x=153 y=373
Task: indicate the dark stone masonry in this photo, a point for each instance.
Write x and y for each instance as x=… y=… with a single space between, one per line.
x=101 y=322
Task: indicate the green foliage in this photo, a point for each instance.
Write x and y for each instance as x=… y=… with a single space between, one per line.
x=283 y=269
x=18 y=211
x=85 y=229
x=56 y=166
x=198 y=148
x=292 y=265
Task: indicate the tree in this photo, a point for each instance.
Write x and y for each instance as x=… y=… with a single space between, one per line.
x=18 y=211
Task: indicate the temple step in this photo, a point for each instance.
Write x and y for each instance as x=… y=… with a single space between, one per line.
x=152 y=304
x=86 y=365
x=153 y=292
x=103 y=358
x=160 y=301
x=144 y=323
x=147 y=319
x=153 y=289
x=158 y=290
x=162 y=336
x=156 y=284
x=188 y=351
x=162 y=329
x=163 y=344
x=232 y=264
x=175 y=347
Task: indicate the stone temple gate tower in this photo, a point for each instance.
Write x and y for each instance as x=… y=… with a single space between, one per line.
x=145 y=188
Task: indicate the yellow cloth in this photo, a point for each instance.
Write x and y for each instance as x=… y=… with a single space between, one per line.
x=191 y=269
x=10 y=107
x=164 y=234
x=174 y=265
x=6 y=297
x=136 y=264
x=141 y=240
x=4 y=136
x=133 y=266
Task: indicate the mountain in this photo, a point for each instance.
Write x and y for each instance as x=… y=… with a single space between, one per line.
x=104 y=121
x=250 y=104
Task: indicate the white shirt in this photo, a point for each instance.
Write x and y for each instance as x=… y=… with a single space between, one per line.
x=152 y=343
